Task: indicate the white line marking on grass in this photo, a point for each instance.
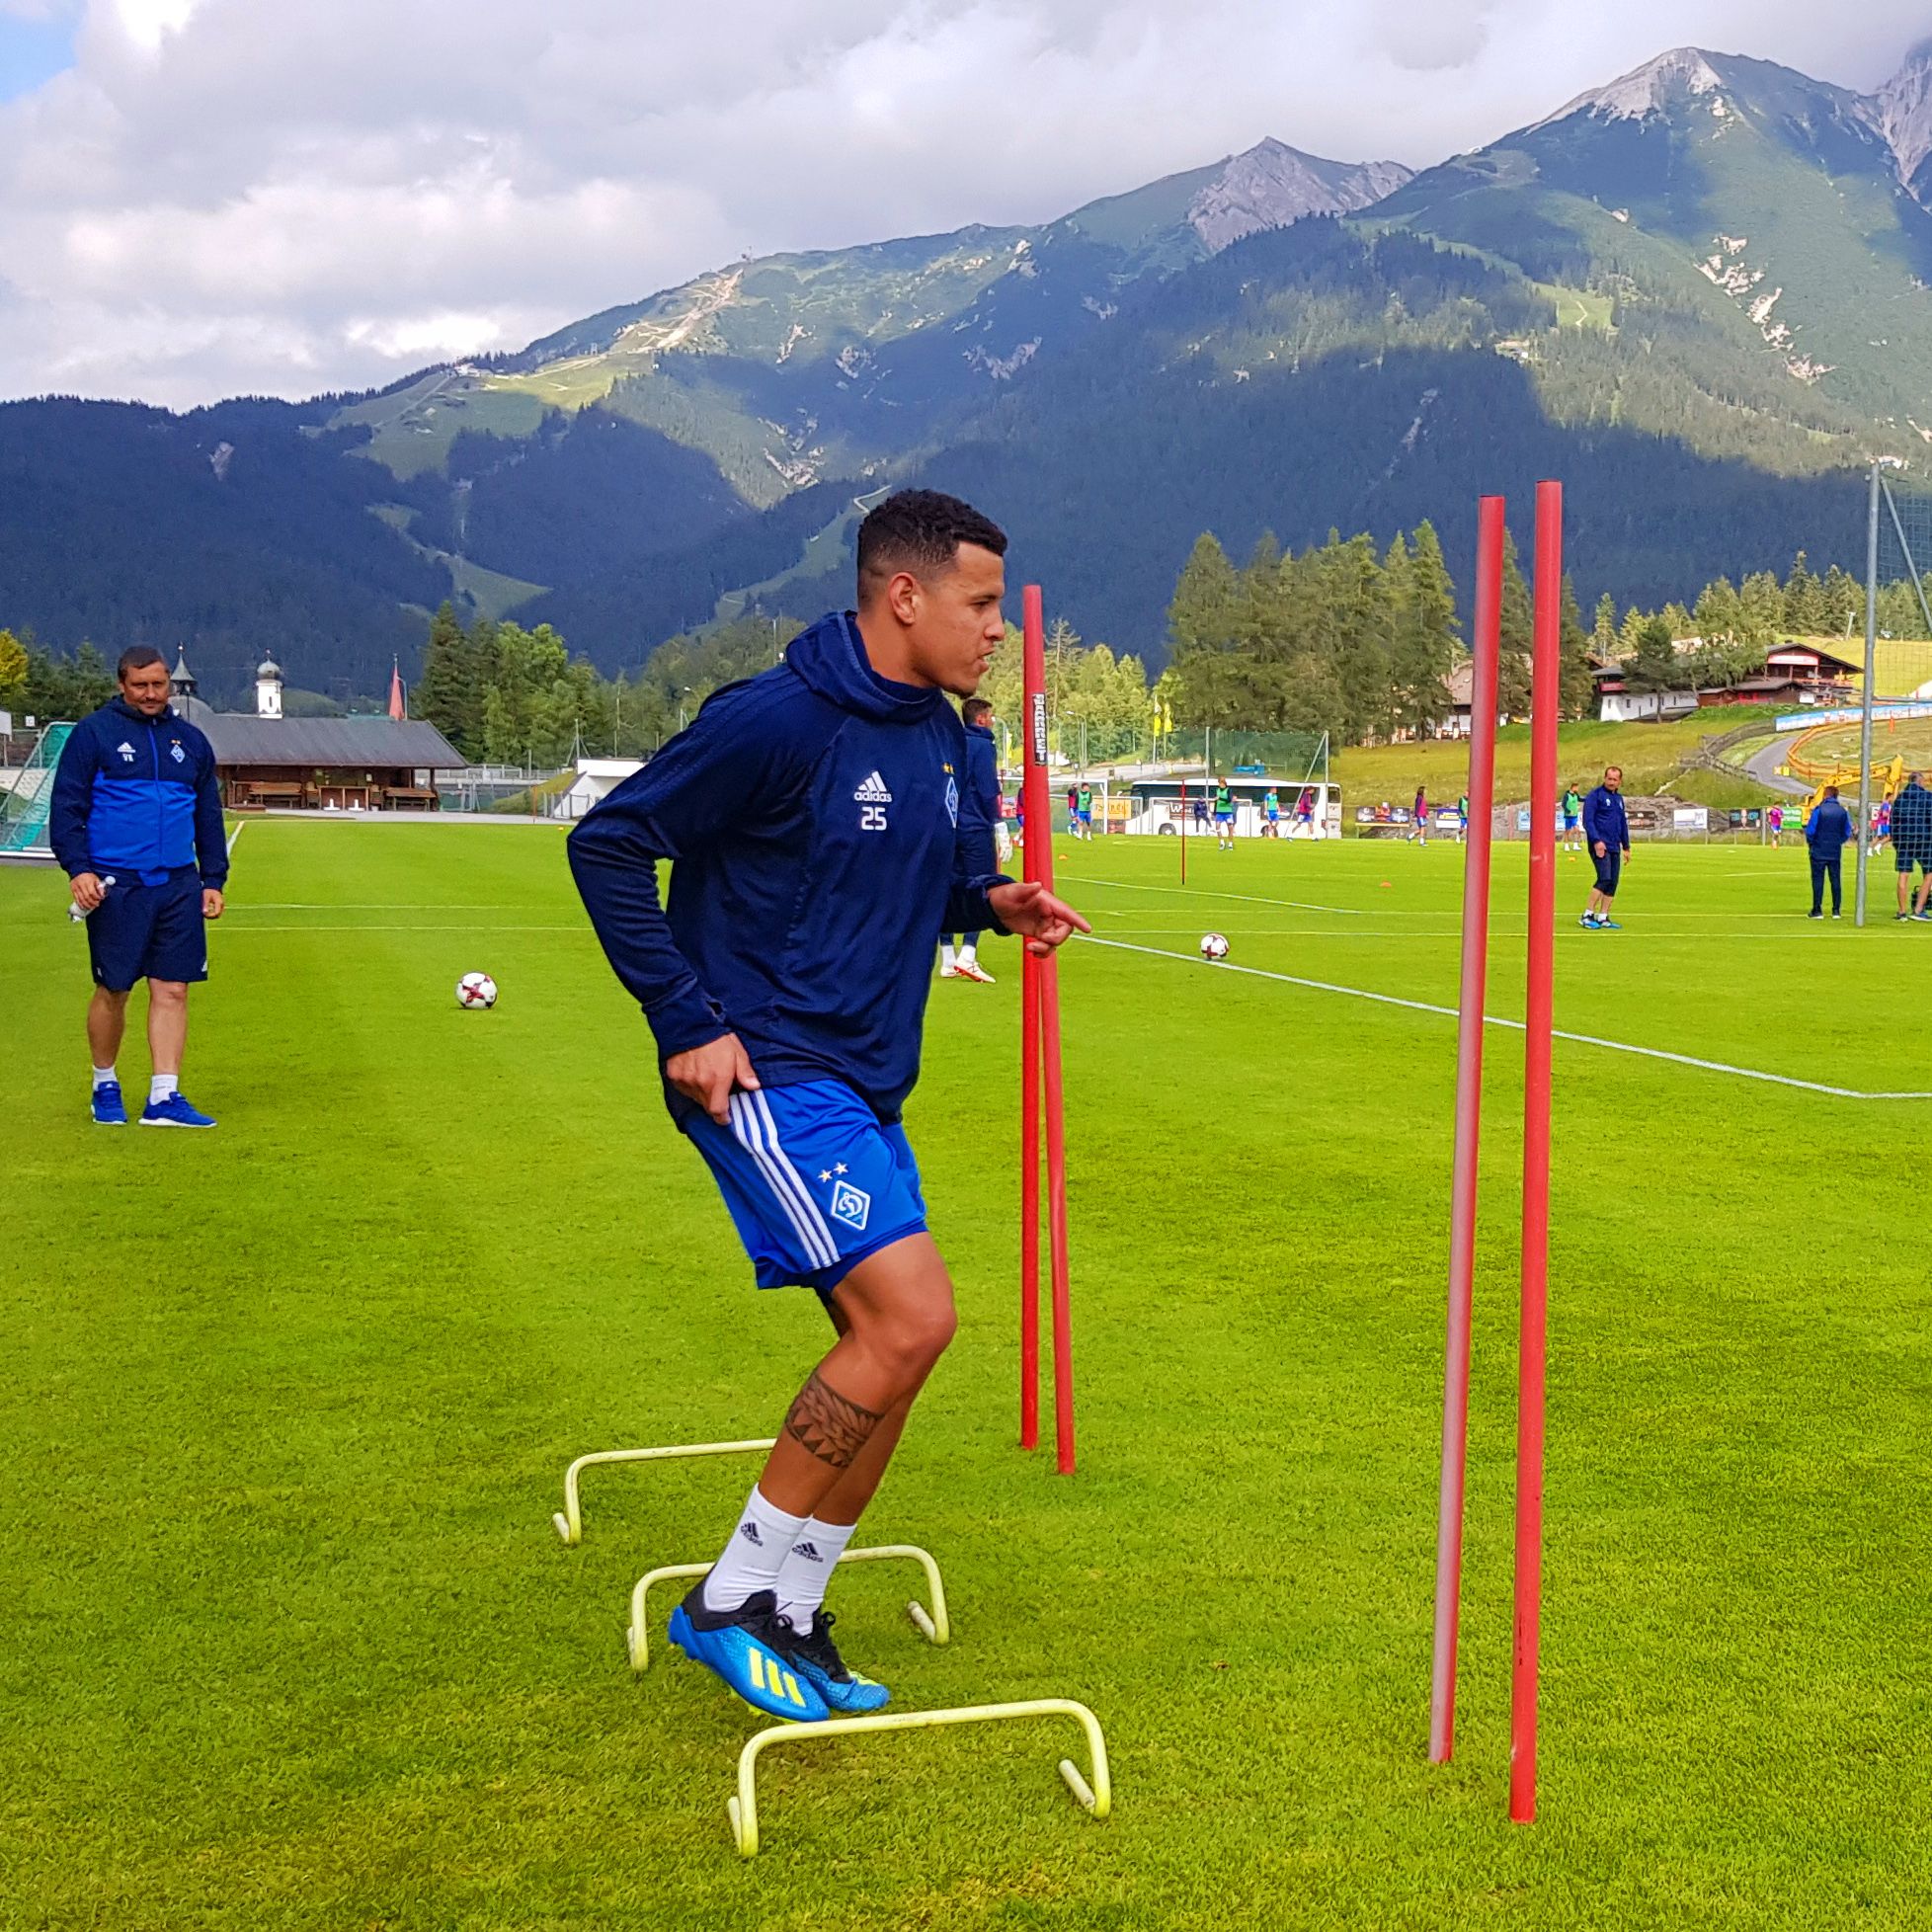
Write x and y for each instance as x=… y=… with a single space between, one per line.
x=1515 y=1025
x=236 y=833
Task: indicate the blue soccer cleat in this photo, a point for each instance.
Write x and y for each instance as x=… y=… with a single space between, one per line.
x=753 y=1649
x=174 y=1111
x=1608 y=926
x=820 y=1664
x=108 y=1111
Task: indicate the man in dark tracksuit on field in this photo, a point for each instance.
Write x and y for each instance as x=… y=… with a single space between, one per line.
x=978 y=813
x=136 y=821
x=1911 y=844
x=1606 y=832
x=1826 y=832
x=819 y=843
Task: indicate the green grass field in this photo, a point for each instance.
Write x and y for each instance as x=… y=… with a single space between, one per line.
x=290 y=1643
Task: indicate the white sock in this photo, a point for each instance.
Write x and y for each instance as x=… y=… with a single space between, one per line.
x=968 y=955
x=161 y=1087
x=104 y=1076
x=807 y=1570
x=754 y=1554
x=946 y=957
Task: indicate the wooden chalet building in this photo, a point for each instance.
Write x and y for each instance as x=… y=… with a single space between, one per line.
x=1791 y=674
x=347 y=764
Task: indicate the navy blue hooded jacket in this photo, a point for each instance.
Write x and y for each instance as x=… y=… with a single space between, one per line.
x=1604 y=818
x=821 y=834
x=1829 y=828
x=137 y=797
x=982 y=791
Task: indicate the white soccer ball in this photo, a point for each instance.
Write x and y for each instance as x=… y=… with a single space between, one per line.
x=477 y=990
x=1214 y=946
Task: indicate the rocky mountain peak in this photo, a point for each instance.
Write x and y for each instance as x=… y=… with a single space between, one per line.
x=1902 y=112
x=1682 y=73
x=1273 y=184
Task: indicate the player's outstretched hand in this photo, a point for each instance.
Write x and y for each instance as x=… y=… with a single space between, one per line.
x=1029 y=908
x=708 y=1074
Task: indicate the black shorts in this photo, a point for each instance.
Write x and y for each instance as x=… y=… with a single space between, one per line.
x=149 y=933
x=1904 y=857
x=1608 y=869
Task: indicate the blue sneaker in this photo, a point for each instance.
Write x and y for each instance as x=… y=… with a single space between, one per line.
x=174 y=1111
x=108 y=1108
x=753 y=1649
x=1608 y=926
x=820 y=1665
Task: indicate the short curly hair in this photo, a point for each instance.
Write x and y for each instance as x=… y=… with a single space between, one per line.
x=920 y=531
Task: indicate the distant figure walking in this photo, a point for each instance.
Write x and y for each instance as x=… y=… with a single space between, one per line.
x=1777 y=824
x=1825 y=831
x=1606 y=828
x=1421 y=831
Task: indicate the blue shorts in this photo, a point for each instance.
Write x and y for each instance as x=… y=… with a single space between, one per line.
x=149 y=933
x=812 y=1181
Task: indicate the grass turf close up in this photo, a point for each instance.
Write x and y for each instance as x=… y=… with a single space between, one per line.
x=291 y=1642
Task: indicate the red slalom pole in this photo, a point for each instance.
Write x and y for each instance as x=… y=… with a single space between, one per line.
x=1538 y=1012
x=1485 y=653
x=1039 y=835
x=1056 y=1139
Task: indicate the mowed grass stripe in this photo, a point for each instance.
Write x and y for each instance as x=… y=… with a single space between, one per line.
x=289 y=1405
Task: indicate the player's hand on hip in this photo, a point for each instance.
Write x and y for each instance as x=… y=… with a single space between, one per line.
x=1029 y=908
x=88 y=892
x=212 y=902
x=708 y=1073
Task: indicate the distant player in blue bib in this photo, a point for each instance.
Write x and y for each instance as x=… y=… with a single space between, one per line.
x=821 y=836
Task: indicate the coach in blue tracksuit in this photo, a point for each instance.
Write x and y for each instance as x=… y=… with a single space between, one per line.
x=1826 y=832
x=978 y=813
x=135 y=821
x=1606 y=832
x=819 y=840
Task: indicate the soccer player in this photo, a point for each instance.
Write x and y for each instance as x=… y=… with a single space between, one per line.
x=1420 y=818
x=1084 y=812
x=820 y=840
x=1072 y=811
x=1826 y=833
x=1462 y=820
x=1572 y=818
x=135 y=823
x=1305 y=810
x=1606 y=825
x=1271 y=810
x=1777 y=827
x=982 y=793
x=1224 y=816
x=1911 y=842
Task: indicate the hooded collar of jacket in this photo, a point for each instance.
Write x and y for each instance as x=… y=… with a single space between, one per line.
x=831 y=659
x=119 y=704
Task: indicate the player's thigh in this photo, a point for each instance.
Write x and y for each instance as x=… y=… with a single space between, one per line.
x=898 y=1299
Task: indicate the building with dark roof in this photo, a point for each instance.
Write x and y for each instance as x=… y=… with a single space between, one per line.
x=364 y=765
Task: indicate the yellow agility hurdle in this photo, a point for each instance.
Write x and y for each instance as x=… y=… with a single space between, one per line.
x=570 y=1518
x=934 y=1625
x=1095 y=1796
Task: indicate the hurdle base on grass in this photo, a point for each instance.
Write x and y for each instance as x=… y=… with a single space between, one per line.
x=934 y=1625
x=569 y=1520
x=1094 y=1798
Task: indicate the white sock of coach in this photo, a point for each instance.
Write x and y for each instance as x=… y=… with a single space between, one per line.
x=754 y=1554
x=807 y=1570
x=104 y=1076
x=161 y=1087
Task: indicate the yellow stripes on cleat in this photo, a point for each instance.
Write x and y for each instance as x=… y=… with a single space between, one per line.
x=773 y=1682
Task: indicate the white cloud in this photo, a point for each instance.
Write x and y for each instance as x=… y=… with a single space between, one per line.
x=224 y=196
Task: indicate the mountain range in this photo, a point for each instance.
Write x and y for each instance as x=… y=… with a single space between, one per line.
x=1698 y=293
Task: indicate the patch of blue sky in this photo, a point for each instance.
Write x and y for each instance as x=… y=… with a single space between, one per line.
x=32 y=52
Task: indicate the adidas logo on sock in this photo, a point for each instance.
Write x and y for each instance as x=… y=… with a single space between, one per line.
x=809 y=1551
x=749 y=1531
x=872 y=791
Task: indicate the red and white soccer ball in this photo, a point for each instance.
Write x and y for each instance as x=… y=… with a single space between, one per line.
x=477 y=990
x=1214 y=946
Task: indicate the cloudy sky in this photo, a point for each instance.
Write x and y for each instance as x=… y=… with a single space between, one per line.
x=203 y=197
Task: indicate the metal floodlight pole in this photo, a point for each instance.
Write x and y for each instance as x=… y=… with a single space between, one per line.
x=1039 y=835
x=1485 y=655
x=1865 y=707
x=1546 y=684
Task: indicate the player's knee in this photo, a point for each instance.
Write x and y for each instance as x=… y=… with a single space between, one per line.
x=167 y=992
x=916 y=1336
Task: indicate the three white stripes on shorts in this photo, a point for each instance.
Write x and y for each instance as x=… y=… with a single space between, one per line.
x=757 y=1132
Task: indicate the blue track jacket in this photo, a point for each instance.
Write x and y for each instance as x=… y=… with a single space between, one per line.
x=137 y=797
x=822 y=833
x=982 y=793
x=1828 y=829
x=1604 y=818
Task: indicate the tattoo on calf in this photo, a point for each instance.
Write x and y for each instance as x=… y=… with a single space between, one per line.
x=830 y=1426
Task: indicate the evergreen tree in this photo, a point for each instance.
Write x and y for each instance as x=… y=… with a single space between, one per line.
x=1761 y=610
x=1841 y=603
x=1804 y=606
x=449 y=692
x=1576 y=687
x=1423 y=631
x=1518 y=636
x=1718 y=617
x=1655 y=665
x=1603 y=639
